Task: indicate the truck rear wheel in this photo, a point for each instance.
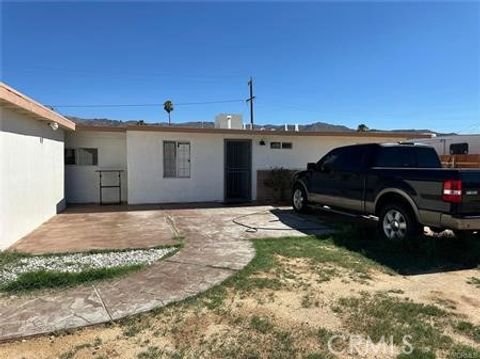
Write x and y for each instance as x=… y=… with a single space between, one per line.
x=397 y=222
x=299 y=199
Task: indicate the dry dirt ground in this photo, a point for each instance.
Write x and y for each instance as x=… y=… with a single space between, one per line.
x=289 y=303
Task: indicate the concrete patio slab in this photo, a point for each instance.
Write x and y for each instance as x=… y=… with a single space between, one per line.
x=25 y=316
x=214 y=248
x=75 y=232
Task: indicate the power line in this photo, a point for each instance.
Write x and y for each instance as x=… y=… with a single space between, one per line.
x=148 y=104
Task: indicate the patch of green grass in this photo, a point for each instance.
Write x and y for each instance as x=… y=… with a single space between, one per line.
x=215 y=297
x=44 y=279
x=417 y=354
x=259 y=338
x=474 y=281
x=53 y=279
x=469 y=330
x=71 y=353
x=461 y=351
x=135 y=325
x=8 y=257
x=381 y=315
x=308 y=301
x=410 y=256
x=150 y=353
x=260 y=324
x=317 y=250
x=317 y=356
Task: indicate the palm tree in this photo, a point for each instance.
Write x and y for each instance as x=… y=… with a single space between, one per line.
x=362 y=128
x=168 y=106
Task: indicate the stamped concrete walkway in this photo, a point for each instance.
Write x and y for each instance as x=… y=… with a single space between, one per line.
x=214 y=248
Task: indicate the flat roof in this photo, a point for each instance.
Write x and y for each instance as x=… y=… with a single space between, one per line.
x=182 y=129
x=11 y=98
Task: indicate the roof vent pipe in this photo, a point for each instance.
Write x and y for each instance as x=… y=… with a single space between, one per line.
x=296 y=127
x=229 y=122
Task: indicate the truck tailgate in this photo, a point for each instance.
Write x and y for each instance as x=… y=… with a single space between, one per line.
x=470 y=205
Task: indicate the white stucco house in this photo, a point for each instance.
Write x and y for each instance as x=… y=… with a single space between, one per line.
x=163 y=164
x=47 y=162
x=31 y=164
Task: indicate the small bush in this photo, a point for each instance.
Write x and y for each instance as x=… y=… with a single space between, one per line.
x=279 y=180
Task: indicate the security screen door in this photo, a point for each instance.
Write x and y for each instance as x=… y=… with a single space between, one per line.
x=238 y=170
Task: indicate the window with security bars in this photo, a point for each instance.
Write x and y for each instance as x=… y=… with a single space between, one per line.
x=176 y=159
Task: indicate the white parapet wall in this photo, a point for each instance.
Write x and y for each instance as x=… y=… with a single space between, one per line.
x=31 y=174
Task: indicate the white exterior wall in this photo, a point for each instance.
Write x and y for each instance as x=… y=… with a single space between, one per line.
x=31 y=174
x=145 y=168
x=206 y=183
x=82 y=182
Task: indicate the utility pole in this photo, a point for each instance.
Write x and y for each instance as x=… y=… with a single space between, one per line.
x=250 y=99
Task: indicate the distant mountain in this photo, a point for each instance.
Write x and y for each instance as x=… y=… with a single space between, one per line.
x=421 y=131
x=117 y=123
x=312 y=127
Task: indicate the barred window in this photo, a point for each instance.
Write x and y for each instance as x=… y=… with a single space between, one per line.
x=176 y=159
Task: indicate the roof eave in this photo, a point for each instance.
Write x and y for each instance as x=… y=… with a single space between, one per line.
x=11 y=98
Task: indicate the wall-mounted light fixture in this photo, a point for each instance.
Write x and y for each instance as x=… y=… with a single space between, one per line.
x=53 y=125
x=262 y=142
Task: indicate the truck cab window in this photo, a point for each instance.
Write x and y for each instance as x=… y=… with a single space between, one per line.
x=427 y=158
x=351 y=159
x=396 y=157
x=329 y=160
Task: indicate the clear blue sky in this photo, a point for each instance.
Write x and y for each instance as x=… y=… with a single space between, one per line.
x=389 y=65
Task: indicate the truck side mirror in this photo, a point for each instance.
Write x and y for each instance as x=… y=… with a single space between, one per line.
x=311 y=166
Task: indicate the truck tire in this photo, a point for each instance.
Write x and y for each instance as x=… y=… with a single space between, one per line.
x=299 y=199
x=397 y=222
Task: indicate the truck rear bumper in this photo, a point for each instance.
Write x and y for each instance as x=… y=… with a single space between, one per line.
x=460 y=223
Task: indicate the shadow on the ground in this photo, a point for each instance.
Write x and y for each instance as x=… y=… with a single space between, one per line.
x=97 y=208
x=306 y=224
x=426 y=254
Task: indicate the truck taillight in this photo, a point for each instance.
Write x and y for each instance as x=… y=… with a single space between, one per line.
x=452 y=191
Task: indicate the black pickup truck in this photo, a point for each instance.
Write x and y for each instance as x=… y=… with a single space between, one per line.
x=403 y=184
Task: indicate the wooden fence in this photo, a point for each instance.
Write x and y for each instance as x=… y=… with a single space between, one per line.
x=460 y=161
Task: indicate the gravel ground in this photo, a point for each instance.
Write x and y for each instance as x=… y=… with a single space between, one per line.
x=78 y=262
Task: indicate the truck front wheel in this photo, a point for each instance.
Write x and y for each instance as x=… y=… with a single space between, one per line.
x=397 y=222
x=299 y=199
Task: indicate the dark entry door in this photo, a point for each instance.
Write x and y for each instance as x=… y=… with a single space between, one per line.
x=238 y=170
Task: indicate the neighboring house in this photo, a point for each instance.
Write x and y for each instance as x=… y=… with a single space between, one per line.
x=31 y=164
x=183 y=164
